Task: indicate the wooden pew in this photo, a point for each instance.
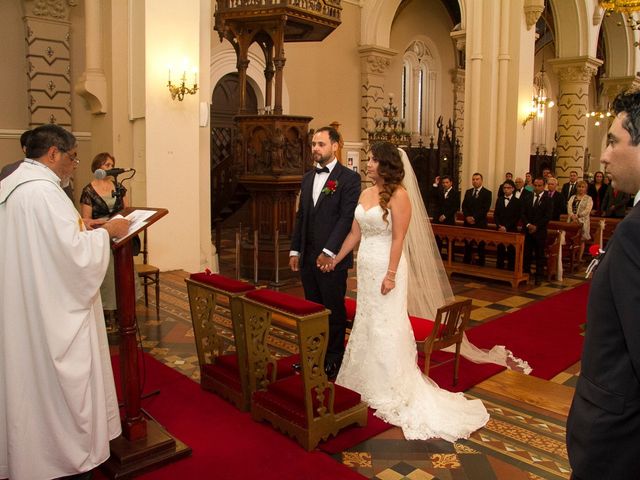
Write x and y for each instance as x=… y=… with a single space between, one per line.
x=452 y=235
x=572 y=239
x=307 y=407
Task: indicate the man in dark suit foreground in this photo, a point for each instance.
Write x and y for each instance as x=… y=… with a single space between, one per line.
x=603 y=428
x=328 y=199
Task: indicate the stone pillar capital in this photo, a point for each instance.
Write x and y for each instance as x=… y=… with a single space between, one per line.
x=375 y=59
x=52 y=9
x=532 y=11
x=575 y=69
x=614 y=86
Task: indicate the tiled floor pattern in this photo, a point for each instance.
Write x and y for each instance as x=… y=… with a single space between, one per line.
x=519 y=442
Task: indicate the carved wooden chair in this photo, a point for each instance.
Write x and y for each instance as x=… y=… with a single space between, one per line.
x=307 y=407
x=225 y=374
x=447 y=329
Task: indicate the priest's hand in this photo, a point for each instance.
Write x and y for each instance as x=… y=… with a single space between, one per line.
x=117 y=227
x=91 y=224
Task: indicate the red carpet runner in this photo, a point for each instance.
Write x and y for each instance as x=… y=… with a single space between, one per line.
x=546 y=334
x=227 y=444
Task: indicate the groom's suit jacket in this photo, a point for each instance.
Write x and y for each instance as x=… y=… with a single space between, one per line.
x=603 y=428
x=326 y=224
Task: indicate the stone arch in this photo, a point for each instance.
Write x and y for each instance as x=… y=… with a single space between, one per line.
x=574 y=38
x=620 y=53
x=224 y=61
x=377 y=16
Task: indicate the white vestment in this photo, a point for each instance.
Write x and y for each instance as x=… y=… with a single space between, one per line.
x=58 y=405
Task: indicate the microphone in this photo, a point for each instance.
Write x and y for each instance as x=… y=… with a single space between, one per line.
x=100 y=173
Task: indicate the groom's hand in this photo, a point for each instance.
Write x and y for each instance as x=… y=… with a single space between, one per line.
x=324 y=263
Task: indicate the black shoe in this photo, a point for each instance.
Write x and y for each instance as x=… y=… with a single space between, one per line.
x=331 y=369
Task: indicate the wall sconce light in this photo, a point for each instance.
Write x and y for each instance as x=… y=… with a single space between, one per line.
x=180 y=90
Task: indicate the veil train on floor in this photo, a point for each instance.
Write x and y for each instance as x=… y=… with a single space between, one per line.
x=429 y=286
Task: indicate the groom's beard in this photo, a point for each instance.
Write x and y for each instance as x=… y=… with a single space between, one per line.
x=322 y=160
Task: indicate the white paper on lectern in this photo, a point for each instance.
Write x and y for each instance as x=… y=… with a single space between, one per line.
x=138 y=219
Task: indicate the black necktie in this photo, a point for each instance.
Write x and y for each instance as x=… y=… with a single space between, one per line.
x=475 y=193
x=537 y=200
x=323 y=169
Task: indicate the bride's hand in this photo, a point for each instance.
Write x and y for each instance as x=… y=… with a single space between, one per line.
x=387 y=285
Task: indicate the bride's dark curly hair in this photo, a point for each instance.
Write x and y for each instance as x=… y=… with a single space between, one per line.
x=390 y=169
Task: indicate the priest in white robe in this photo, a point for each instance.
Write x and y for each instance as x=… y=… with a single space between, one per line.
x=58 y=405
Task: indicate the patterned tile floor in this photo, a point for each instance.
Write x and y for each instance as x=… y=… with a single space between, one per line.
x=520 y=441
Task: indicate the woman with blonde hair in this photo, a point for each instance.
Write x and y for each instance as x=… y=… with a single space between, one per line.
x=579 y=209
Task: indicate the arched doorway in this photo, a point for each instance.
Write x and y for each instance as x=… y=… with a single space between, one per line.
x=224 y=106
x=224 y=182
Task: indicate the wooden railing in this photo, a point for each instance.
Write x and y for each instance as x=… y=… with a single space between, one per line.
x=328 y=8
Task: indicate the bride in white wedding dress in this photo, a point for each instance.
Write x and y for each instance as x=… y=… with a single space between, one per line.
x=380 y=359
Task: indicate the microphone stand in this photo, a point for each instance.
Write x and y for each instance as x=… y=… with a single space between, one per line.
x=118 y=191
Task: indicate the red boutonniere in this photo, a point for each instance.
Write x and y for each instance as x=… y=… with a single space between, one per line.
x=597 y=253
x=330 y=187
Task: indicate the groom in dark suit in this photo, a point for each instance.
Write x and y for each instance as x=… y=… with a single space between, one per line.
x=328 y=199
x=603 y=428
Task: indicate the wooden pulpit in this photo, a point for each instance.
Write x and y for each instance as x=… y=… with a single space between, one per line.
x=144 y=444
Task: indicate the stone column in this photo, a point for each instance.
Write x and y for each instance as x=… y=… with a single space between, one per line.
x=48 y=52
x=573 y=103
x=92 y=84
x=374 y=63
x=458 y=103
x=614 y=86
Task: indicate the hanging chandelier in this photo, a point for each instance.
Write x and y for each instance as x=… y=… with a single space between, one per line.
x=626 y=7
x=540 y=101
x=599 y=116
x=621 y=6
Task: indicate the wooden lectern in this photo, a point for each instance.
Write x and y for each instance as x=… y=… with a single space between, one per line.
x=144 y=444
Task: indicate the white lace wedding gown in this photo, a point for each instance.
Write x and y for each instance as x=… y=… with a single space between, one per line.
x=380 y=359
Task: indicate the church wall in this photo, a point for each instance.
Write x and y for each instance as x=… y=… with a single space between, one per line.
x=324 y=77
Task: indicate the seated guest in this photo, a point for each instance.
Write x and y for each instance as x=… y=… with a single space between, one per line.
x=596 y=191
x=557 y=199
x=475 y=206
x=614 y=204
x=506 y=215
x=579 y=207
